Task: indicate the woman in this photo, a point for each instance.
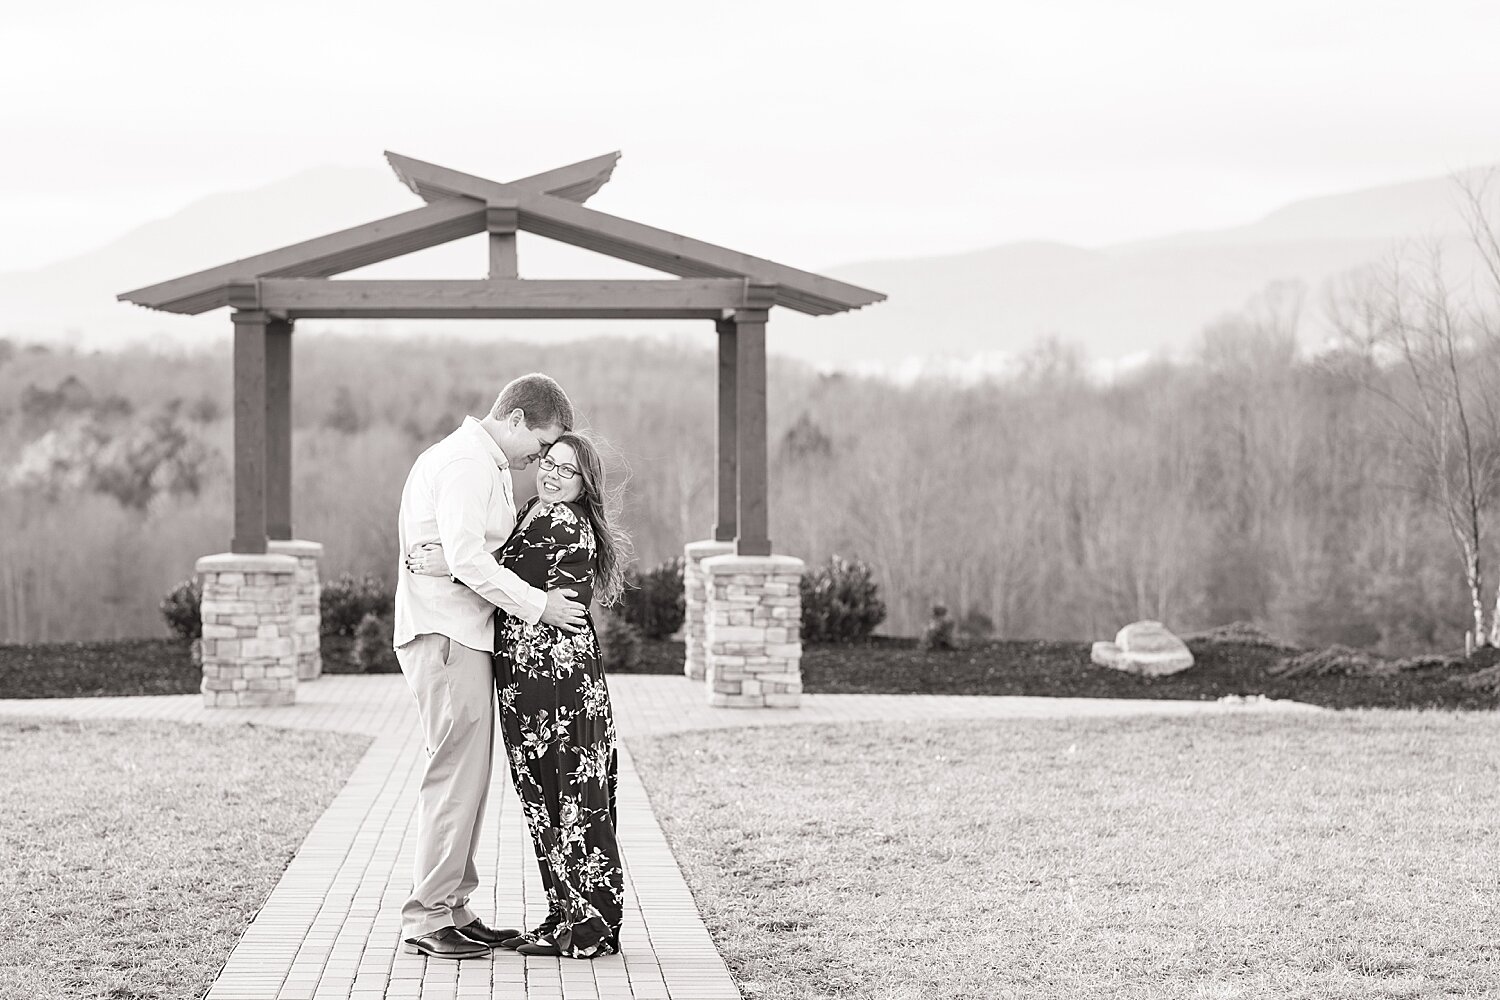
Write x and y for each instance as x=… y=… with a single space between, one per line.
x=554 y=706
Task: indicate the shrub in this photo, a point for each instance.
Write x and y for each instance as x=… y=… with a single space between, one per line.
x=1240 y=633
x=654 y=602
x=619 y=643
x=939 y=633
x=840 y=602
x=372 y=645
x=182 y=608
x=1487 y=679
x=976 y=624
x=1431 y=661
x=347 y=600
x=1333 y=661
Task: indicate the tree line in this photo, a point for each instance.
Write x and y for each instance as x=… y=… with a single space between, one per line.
x=1250 y=482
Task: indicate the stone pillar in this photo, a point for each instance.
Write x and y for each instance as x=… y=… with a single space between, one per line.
x=249 y=654
x=695 y=596
x=307 y=617
x=754 y=631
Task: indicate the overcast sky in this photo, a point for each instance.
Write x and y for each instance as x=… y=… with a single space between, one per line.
x=811 y=132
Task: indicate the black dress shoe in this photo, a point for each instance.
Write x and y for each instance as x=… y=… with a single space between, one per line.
x=539 y=948
x=530 y=937
x=488 y=936
x=446 y=942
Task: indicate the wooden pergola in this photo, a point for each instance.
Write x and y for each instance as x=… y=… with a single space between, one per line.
x=271 y=291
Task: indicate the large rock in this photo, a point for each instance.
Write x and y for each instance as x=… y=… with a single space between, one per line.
x=1144 y=647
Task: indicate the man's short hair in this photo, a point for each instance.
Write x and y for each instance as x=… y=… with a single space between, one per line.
x=539 y=397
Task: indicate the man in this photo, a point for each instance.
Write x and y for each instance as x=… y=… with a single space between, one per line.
x=459 y=493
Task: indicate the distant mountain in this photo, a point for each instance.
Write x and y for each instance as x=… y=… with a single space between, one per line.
x=74 y=300
x=1132 y=298
x=1395 y=211
x=980 y=307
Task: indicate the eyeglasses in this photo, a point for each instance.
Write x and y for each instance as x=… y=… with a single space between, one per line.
x=565 y=471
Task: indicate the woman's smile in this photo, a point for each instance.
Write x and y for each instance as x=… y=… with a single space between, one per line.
x=558 y=478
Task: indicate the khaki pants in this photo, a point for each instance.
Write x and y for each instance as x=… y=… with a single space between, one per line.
x=455 y=690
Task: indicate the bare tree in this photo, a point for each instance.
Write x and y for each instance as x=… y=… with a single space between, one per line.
x=1430 y=354
x=1482 y=231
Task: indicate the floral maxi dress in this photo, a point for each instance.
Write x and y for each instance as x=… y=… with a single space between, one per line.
x=560 y=737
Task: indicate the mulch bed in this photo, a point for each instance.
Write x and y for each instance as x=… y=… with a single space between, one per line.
x=881 y=666
x=97 y=669
x=164 y=666
x=1062 y=669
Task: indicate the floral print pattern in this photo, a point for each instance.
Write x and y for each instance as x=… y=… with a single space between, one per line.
x=560 y=737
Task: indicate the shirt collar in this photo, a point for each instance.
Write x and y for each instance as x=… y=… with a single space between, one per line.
x=475 y=428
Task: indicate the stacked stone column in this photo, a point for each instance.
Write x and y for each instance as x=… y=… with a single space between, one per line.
x=306 y=609
x=753 y=631
x=695 y=597
x=249 y=645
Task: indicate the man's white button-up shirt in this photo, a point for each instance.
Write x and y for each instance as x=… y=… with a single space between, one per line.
x=459 y=493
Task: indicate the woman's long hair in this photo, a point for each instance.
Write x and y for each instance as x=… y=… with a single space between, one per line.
x=611 y=544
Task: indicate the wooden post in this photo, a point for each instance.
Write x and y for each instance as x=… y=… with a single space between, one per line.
x=726 y=458
x=500 y=218
x=249 y=431
x=279 y=429
x=751 y=538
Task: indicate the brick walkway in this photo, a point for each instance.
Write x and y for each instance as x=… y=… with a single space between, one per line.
x=330 y=928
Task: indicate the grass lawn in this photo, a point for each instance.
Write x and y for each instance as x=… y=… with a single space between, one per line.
x=1352 y=855
x=135 y=853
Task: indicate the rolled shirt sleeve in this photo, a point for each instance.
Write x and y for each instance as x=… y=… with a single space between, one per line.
x=463 y=488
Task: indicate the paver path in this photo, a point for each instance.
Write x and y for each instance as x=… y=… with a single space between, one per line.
x=331 y=926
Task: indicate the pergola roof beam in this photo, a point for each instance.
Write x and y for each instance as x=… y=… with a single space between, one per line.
x=577 y=182
x=296 y=298
x=335 y=253
x=446 y=218
x=567 y=222
x=682 y=255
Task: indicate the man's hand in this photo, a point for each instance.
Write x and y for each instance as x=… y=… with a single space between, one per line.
x=563 y=612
